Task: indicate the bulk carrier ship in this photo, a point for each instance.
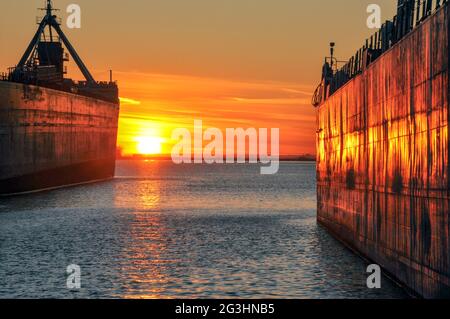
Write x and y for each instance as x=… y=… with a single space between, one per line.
x=54 y=131
x=383 y=152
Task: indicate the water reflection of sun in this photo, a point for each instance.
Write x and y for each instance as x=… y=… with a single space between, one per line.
x=144 y=260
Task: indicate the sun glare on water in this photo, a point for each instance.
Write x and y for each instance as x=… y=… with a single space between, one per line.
x=149 y=145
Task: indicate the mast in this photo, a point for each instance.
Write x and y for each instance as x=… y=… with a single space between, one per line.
x=49 y=13
x=49 y=20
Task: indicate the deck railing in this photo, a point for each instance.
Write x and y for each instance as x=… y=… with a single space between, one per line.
x=410 y=14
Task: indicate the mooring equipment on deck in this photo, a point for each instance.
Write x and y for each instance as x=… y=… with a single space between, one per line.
x=43 y=63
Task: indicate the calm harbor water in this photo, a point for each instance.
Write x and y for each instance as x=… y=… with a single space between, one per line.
x=194 y=231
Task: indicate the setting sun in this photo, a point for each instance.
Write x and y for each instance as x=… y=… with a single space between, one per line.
x=149 y=145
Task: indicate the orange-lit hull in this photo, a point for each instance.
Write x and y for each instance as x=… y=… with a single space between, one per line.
x=50 y=138
x=383 y=160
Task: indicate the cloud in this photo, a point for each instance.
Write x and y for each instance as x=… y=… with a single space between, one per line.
x=127 y=101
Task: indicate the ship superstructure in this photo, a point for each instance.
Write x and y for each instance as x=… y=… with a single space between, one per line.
x=43 y=63
x=54 y=131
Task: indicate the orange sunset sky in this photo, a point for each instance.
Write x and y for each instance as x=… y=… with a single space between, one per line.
x=230 y=63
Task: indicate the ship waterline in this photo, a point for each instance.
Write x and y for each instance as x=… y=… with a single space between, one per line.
x=51 y=138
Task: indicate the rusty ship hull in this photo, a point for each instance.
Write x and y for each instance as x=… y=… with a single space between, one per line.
x=383 y=160
x=50 y=138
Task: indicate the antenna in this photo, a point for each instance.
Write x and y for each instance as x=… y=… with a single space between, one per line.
x=49 y=7
x=48 y=15
x=332 y=44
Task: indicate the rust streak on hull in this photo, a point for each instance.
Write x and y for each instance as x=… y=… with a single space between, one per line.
x=383 y=160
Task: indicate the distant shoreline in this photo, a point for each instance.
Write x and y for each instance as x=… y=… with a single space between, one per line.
x=299 y=158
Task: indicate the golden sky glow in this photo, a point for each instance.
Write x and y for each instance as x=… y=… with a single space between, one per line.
x=168 y=102
x=229 y=63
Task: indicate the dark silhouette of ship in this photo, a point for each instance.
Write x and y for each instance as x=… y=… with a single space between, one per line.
x=54 y=131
